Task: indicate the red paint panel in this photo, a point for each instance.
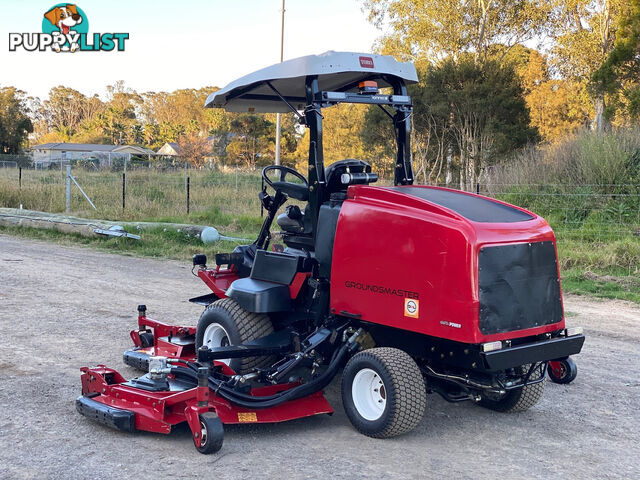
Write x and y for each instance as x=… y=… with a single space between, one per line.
x=218 y=280
x=297 y=283
x=391 y=248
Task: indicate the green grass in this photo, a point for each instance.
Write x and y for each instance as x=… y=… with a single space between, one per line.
x=575 y=258
x=583 y=262
x=153 y=243
x=151 y=197
x=574 y=281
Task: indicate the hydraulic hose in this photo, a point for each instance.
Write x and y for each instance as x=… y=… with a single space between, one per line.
x=249 y=401
x=216 y=384
x=191 y=374
x=296 y=392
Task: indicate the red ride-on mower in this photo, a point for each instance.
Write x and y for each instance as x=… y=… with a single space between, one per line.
x=406 y=289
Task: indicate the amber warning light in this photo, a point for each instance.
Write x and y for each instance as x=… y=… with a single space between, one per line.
x=368 y=86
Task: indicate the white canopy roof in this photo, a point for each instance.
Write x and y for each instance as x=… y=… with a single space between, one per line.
x=335 y=70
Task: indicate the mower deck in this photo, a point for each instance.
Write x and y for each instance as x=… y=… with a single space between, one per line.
x=109 y=399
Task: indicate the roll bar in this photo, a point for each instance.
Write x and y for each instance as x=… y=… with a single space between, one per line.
x=317 y=99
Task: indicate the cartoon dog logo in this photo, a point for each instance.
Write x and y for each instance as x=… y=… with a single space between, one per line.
x=65 y=18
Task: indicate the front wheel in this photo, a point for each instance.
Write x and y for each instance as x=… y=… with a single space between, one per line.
x=383 y=392
x=562 y=371
x=212 y=433
x=225 y=323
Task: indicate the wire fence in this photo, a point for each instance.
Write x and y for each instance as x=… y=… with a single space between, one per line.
x=14 y=161
x=599 y=213
x=137 y=194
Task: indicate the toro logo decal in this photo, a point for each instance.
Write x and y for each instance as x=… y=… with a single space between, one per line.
x=411 y=308
x=65 y=28
x=366 y=62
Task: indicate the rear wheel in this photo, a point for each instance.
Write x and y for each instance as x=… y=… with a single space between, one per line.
x=225 y=323
x=562 y=371
x=517 y=400
x=383 y=392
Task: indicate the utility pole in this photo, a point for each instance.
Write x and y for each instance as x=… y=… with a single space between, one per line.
x=279 y=115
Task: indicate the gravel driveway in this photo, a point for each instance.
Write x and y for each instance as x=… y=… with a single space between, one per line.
x=65 y=307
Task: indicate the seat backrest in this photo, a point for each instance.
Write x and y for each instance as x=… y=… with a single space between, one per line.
x=327 y=225
x=334 y=171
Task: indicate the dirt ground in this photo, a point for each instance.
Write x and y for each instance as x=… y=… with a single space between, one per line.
x=62 y=308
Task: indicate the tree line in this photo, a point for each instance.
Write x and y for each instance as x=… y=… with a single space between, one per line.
x=481 y=94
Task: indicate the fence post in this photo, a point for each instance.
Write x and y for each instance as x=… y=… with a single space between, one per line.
x=124 y=189
x=20 y=177
x=236 y=178
x=68 y=187
x=188 y=190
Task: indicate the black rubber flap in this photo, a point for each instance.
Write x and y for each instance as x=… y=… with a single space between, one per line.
x=474 y=208
x=519 y=287
x=109 y=416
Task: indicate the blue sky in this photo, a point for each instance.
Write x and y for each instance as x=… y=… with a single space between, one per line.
x=179 y=44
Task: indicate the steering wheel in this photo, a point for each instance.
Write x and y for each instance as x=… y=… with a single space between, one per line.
x=299 y=191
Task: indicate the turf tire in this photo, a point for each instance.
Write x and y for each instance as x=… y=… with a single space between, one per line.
x=518 y=400
x=404 y=390
x=241 y=326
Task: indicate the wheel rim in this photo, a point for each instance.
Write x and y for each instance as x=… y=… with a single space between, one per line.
x=369 y=394
x=203 y=434
x=559 y=370
x=216 y=336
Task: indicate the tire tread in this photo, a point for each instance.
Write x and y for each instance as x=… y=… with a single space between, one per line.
x=518 y=400
x=408 y=389
x=250 y=327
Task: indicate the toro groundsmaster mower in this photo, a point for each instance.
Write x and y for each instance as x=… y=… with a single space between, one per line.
x=403 y=290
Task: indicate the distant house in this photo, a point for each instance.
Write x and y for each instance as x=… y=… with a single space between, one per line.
x=171 y=149
x=46 y=154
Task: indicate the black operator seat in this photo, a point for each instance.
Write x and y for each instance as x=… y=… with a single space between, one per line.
x=341 y=174
x=292 y=220
x=296 y=223
x=357 y=171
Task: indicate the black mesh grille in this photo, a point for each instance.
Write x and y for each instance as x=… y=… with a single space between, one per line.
x=519 y=287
